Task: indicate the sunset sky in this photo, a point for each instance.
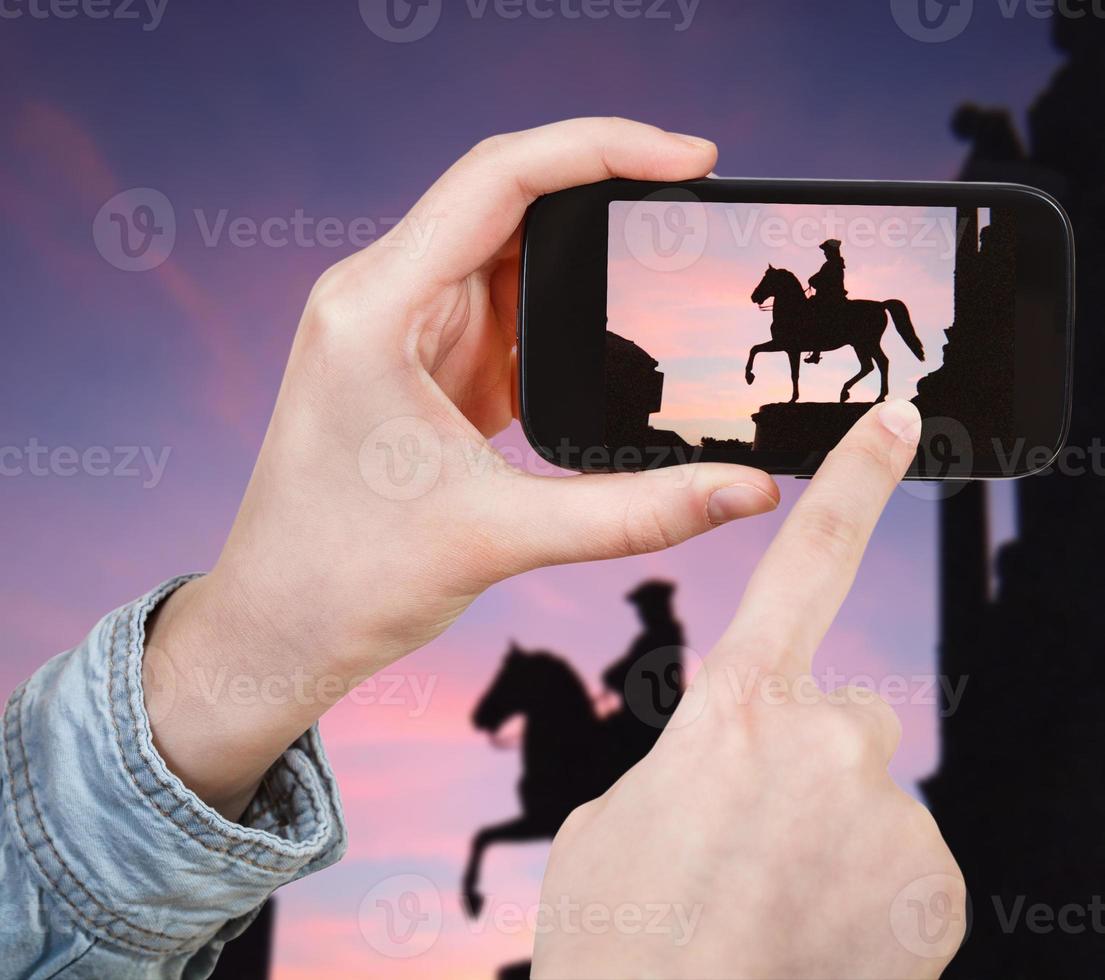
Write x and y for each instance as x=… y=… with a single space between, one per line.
x=699 y=322
x=260 y=110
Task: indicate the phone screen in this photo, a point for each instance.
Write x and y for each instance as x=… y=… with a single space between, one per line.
x=736 y=330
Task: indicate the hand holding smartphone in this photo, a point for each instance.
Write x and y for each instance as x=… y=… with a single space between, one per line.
x=754 y=322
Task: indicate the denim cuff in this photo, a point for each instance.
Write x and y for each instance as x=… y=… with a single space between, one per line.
x=137 y=859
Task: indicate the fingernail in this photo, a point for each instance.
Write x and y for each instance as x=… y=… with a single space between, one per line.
x=739 y=500
x=902 y=419
x=696 y=141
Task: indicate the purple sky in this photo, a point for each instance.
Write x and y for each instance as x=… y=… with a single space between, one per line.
x=266 y=110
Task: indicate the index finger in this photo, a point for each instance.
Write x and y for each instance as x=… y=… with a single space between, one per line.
x=472 y=211
x=798 y=587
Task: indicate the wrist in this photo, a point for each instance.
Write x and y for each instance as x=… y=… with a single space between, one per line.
x=226 y=691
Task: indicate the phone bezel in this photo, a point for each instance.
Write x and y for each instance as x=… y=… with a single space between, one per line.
x=561 y=354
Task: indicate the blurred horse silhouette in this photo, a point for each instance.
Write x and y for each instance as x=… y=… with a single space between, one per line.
x=570 y=754
x=562 y=766
x=857 y=323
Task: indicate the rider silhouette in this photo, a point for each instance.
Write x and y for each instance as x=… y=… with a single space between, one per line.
x=649 y=677
x=830 y=293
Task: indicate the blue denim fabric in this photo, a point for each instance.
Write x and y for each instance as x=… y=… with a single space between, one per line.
x=109 y=866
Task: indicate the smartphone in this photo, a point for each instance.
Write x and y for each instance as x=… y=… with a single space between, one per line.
x=754 y=321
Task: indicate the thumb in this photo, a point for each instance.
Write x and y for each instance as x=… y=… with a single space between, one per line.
x=559 y=520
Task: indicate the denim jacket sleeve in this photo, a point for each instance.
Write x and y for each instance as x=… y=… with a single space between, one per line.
x=109 y=866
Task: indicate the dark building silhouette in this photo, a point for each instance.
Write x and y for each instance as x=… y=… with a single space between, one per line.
x=1020 y=790
x=973 y=385
x=634 y=391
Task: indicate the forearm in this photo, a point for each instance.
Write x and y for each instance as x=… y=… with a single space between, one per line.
x=106 y=856
x=227 y=692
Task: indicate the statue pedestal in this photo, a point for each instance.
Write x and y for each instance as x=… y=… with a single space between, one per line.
x=805 y=426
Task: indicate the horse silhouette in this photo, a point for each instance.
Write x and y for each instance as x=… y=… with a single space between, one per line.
x=569 y=754
x=857 y=323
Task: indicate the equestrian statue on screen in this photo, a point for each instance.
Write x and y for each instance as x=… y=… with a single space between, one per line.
x=828 y=320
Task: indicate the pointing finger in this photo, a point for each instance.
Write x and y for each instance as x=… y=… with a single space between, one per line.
x=798 y=587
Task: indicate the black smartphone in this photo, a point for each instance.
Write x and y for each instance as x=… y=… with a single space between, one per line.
x=754 y=321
